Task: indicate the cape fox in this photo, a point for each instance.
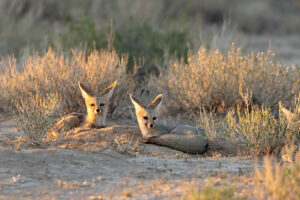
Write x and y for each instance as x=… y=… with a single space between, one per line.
x=97 y=108
x=148 y=120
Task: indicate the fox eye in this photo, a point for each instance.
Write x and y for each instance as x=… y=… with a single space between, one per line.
x=102 y=104
x=154 y=118
x=145 y=117
x=92 y=104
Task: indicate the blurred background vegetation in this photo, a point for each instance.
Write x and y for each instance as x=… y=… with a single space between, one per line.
x=152 y=30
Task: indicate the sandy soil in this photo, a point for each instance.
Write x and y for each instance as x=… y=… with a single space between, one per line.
x=109 y=163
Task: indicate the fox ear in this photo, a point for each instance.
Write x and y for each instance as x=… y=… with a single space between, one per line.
x=109 y=90
x=85 y=91
x=156 y=103
x=138 y=105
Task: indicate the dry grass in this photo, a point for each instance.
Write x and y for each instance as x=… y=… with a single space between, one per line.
x=54 y=73
x=213 y=80
x=277 y=180
x=280 y=181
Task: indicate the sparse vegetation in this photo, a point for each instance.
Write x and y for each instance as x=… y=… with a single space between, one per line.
x=280 y=181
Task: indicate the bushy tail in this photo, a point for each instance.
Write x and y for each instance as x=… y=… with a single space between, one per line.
x=193 y=144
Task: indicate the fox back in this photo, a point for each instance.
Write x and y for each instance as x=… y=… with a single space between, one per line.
x=96 y=105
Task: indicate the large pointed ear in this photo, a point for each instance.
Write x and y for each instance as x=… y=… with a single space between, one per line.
x=290 y=116
x=138 y=105
x=85 y=91
x=109 y=90
x=156 y=103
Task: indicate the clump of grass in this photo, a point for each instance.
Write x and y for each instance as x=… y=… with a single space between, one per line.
x=219 y=134
x=36 y=114
x=263 y=133
x=211 y=193
x=212 y=80
x=279 y=181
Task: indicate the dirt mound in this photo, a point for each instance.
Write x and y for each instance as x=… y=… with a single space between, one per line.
x=124 y=139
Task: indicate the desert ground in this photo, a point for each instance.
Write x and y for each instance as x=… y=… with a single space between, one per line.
x=80 y=167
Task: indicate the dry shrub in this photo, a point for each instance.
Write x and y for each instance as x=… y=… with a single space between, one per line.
x=213 y=80
x=36 y=114
x=55 y=73
x=263 y=133
x=279 y=181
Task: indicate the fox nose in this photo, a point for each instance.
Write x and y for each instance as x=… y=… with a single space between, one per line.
x=98 y=110
x=151 y=125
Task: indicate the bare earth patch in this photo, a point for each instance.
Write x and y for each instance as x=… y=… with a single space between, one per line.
x=109 y=163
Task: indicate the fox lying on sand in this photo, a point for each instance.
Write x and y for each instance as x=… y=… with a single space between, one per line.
x=97 y=108
x=185 y=138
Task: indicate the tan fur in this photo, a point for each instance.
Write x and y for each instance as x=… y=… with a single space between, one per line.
x=151 y=112
x=184 y=138
x=97 y=108
x=97 y=105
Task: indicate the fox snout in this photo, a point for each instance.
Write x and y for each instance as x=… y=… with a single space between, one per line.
x=98 y=111
x=150 y=124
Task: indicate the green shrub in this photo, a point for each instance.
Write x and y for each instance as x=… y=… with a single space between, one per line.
x=138 y=39
x=211 y=193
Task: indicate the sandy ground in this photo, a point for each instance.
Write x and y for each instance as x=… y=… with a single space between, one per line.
x=85 y=167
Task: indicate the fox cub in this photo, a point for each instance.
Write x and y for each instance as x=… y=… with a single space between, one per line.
x=97 y=107
x=147 y=117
